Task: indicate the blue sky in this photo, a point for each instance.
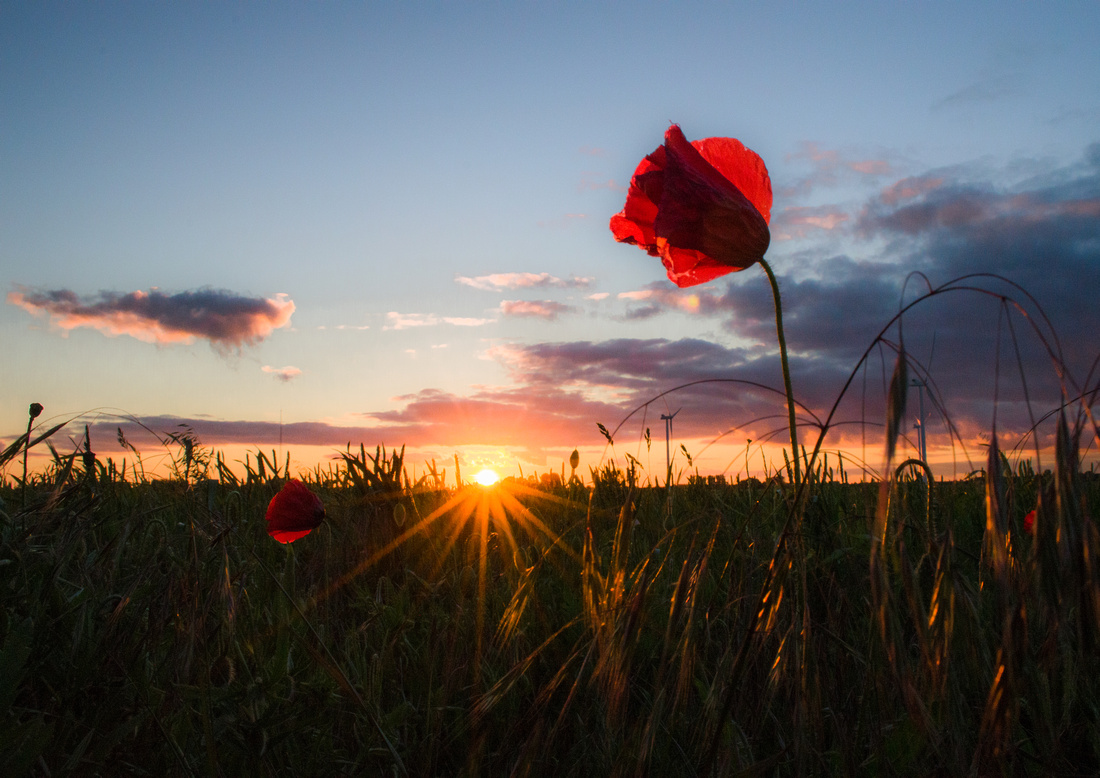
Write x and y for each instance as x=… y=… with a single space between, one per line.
x=429 y=186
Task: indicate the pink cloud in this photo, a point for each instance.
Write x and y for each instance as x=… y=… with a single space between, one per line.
x=591 y=182
x=405 y=321
x=797 y=222
x=224 y=319
x=284 y=374
x=909 y=188
x=500 y=281
x=659 y=297
x=542 y=309
x=828 y=166
x=565 y=221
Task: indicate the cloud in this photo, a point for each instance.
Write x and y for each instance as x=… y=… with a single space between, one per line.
x=500 y=281
x=225 y=319
x=405 y=321
x=567 y=220
x=284 y=374
x=597 y=296
x=986 y=91
x=542 y=309
x=593 y=182
x=829 y=166
x=909 y=188
x=529 y=418
x=660 y=297
x=799 y=222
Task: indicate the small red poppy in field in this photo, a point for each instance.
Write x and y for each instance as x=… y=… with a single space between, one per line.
x=702 y=207
x=1029 y=522
x=294 y=512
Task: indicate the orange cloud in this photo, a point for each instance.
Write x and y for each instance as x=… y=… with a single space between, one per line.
x=224 y=319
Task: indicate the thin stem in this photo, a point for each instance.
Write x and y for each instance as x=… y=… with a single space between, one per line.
x=786 y=370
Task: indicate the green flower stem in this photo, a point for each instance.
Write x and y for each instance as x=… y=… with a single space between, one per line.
x=786 y=370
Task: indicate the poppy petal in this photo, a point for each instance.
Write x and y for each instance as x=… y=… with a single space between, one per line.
x=294 y=512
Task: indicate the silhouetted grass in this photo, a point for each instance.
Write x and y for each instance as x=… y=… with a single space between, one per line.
x=153 y=627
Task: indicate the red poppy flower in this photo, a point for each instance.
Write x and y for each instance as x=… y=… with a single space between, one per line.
x=702 y=207
x=1029 y=522
x=294 y=512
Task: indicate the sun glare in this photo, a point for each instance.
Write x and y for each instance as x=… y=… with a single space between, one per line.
x=487 y=477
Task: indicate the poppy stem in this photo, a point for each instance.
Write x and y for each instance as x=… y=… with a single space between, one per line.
x=786 y=370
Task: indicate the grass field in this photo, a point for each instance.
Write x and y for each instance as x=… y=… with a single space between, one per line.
x=151 y=627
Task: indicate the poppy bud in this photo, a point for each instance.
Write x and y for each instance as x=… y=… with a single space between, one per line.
x=702 y=207
x=294 y=512
x=36 y=410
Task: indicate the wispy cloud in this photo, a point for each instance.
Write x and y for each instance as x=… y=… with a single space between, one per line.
x=284 y=374
x=798 y=222
x=405 y=321
x=561 y=222
x=593 y=181
x=541 y=309
x=829 y=166
x=226 y=320
x=909 y=188
x=987 y=90
x=660 y=297
x=500 y=281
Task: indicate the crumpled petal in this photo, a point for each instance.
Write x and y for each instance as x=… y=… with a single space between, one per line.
x=294 y=512
x=702 y=207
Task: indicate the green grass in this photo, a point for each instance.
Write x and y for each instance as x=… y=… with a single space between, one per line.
x=153 y=628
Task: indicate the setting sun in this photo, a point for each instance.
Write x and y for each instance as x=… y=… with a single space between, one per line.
x=487 y=477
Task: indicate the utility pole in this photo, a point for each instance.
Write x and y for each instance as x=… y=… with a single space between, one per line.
x=668 y=444
x=921 y=444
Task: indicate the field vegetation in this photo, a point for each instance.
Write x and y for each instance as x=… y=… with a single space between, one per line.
x=564 y=628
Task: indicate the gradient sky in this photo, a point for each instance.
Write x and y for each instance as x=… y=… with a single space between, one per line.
x=387 y=222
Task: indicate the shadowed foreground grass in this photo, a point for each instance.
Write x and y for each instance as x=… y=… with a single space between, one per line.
x=153 y=628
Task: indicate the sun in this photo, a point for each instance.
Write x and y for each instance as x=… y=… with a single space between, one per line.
x=487 y=477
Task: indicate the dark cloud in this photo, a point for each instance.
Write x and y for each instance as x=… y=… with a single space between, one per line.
x=225 y=319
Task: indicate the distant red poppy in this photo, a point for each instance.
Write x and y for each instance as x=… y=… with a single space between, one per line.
x=294 y=512
x=702 y=207
x=1029 y=522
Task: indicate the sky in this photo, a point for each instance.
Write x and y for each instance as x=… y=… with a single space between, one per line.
x=295 y=227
